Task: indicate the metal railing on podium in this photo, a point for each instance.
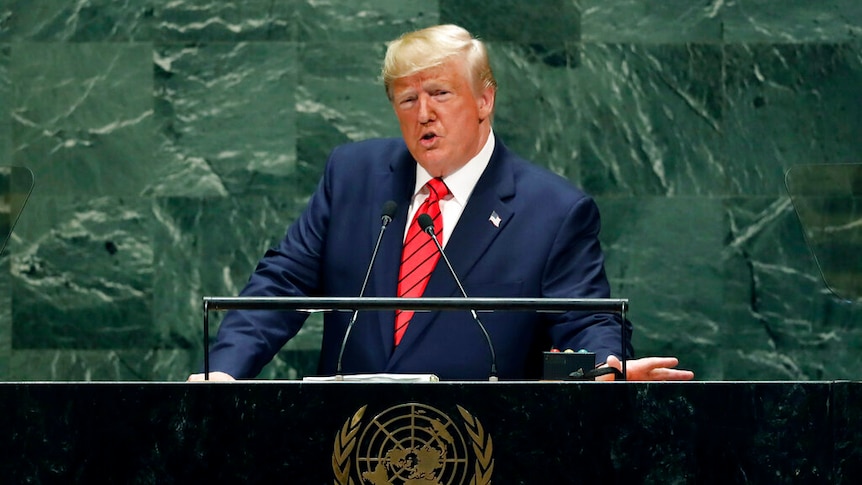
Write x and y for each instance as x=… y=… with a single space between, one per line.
x=356 y=304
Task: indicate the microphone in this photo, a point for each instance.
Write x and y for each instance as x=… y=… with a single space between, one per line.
x=427 y=225
x=385 y=218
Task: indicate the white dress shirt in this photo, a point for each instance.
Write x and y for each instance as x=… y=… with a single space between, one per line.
x=460 y=183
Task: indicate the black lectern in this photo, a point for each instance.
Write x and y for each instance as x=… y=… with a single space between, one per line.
x=448 y=433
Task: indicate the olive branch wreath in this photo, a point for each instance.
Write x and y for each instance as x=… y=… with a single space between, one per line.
x=483 y=448
x=344 y=443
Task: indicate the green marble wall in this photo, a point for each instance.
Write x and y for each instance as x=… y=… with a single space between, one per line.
x=172 y=142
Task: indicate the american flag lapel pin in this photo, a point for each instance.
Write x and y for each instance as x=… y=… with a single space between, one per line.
x=495 y=219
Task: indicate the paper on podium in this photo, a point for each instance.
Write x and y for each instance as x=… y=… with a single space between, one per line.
x=375 y=378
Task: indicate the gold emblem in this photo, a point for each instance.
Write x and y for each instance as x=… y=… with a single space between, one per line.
x=412 y=444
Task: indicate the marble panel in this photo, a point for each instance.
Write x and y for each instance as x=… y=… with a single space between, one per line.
x=792 y=21
x=663 y=254
x=100 y=365
x=536 y=113
x=5 y=144
x=5 y=307
x=847 y=426
x=209 y=247
x=729 y=286
x=82 y=117
x=15 y=184
x=362 y=20
x=5 y=97
x=197 y=21
x=340 y=99
x=170 y=365
x=6 y=13
x=80 y=21
x=537 y=21
x=226 y=118
x=177 y=263
x=5 y=209
x=668 y=432
x=681 y=117
x=786 y=325
x=82 y=274
x=788 y=105
x=5 y=154
x=652 y=119
x=645 y=22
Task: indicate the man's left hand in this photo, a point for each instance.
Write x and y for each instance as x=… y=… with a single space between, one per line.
x=649 y=369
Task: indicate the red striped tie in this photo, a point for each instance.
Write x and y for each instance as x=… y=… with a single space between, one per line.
x=420 y=254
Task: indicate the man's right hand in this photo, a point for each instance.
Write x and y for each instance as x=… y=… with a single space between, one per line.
x=214 y=376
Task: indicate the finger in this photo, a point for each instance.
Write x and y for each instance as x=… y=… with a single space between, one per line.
x=671 y=375
x=659 y=362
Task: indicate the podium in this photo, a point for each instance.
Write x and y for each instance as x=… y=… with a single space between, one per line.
x=501 y=433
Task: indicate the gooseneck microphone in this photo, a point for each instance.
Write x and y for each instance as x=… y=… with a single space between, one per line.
x=385 y=218
x=427 y=225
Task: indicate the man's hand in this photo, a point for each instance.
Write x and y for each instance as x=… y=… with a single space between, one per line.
x=649 y=369
x=214 y=376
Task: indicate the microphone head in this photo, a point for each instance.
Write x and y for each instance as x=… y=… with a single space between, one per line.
x=426 y=223
x=389 y=209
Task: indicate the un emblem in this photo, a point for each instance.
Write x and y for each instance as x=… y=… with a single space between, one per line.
x=412 y=444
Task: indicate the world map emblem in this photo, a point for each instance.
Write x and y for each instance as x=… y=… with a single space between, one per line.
x=413 y=444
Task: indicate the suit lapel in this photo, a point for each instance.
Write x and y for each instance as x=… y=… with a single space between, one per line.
x=396 y=184
x=475 y=231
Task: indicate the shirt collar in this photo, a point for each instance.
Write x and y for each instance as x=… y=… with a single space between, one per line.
x=462 y=181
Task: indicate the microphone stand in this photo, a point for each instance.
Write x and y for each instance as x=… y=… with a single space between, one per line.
x=388 y=211
x=428 y=226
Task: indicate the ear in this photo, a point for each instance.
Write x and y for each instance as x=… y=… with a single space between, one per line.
x=485 y=103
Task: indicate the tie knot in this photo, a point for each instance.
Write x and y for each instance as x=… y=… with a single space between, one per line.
x=438 y=189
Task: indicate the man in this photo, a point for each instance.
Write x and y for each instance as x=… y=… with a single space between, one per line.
x=510 y=229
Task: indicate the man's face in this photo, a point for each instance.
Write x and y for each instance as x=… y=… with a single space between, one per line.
x=442 y=119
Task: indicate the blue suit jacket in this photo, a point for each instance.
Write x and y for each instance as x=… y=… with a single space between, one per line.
x=546 y=245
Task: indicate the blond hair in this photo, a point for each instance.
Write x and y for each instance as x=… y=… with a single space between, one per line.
x=431 y=47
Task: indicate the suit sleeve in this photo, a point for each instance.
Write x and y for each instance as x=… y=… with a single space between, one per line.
x=249 y=339
x=575 y=269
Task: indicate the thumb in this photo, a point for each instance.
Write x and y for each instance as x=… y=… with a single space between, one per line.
x=614 y=362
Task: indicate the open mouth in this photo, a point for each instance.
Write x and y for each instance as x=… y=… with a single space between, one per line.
x=427 y=137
